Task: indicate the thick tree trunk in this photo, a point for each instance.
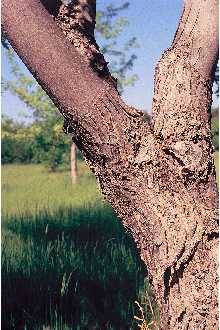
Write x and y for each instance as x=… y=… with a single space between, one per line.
x=73 y=163
x=160 y=178
x=181 y=121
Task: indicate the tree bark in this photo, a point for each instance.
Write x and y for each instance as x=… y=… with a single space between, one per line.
x=77 y=22
x=181 y=120
x=159 y=177
x=73 y=163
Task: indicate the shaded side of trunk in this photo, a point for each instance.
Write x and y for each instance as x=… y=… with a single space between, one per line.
x=73 y=163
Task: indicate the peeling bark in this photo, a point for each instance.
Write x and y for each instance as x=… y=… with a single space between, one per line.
x=159 y=177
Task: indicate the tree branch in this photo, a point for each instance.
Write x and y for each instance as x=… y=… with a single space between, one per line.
x=198 y=28
x=39 y=42
x=183 y=89
x=98 y=116
x=77 y=21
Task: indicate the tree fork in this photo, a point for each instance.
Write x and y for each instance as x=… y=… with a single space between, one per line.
x=160 y=179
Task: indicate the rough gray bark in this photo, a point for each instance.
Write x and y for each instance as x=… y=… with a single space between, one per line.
x=77 y=22
x=159 y=177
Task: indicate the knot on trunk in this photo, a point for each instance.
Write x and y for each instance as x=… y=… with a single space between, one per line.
x=193 y=158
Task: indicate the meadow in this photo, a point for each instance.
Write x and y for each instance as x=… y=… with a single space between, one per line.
x=67 y=263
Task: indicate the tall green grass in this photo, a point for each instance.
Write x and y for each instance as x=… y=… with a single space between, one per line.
x=67 y=263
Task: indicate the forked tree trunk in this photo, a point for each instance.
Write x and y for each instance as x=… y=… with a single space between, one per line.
x=159 y=177
x=73 y=163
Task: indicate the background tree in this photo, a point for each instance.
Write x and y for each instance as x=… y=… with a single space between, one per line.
x=159 y=177
x=33 y=143
x=17 y=145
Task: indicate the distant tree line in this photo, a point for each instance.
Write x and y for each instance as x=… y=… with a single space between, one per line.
x=34 y=143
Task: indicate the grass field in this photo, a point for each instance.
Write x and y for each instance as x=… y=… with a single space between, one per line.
x=67 y=263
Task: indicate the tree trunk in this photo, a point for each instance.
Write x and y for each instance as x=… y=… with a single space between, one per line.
x=159 y=177
x=73 y=163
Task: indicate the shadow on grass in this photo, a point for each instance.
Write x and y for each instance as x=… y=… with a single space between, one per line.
x=70 y=269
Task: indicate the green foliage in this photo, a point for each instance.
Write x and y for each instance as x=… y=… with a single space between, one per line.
x=17 y=144
x=109 y=28
x=34 y=143
x=53 y=145
x=67 y=263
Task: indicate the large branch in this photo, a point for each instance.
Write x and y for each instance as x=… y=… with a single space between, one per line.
x=77 y=20
x=198 y=30
x=183 y=90
x=89 y=102
x=181 y=122
x=39 y=42
x=187 y=69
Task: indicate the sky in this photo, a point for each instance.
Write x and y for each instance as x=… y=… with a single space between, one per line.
x=153 y=23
